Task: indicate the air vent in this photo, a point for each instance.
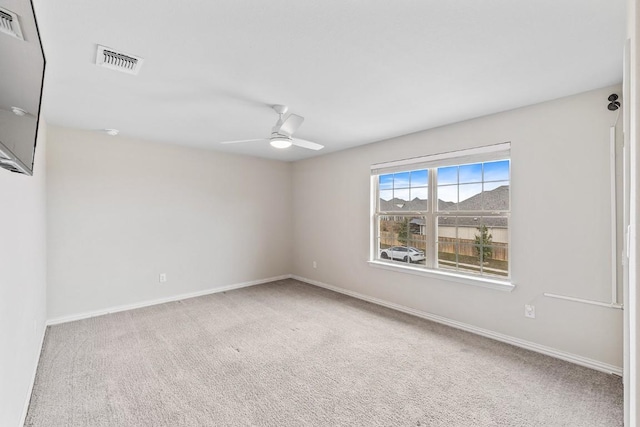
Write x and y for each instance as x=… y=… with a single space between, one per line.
x=118 y=61
x=9 y=24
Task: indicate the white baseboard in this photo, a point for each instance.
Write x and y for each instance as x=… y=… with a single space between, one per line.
x=25 y=409
x=125 y=307
x=569 y=357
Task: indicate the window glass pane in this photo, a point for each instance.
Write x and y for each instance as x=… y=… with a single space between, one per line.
x=447 y=241
x=496 y=260
x=497 y=230
x=402 y=239
x=448 y=175
x=496 y=196
x=470 y=197
x=470 y=173
x=447 y=256
x=416 y=251
x=489 y=186
x=386 y=195
x=467 y=228
x=459 y=257
x=421 y=193
x=401 y=197
x=401 y=180
x=469 y=258
x=447 y=197
x=385 y=182
x=419 y=199
x=447 y=229
x=472 y=194
x=419 y=178
x=496 y=171
x=405 y=191
x=492 y=239
x=386 y=232
x=483 y=238
x=416 y=243
x=476 y=245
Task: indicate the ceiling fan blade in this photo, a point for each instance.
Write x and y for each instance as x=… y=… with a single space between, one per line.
x=306 y=144
x=243 y=140
x=291 y=124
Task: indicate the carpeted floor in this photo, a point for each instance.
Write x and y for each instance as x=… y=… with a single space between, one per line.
x=290 y=354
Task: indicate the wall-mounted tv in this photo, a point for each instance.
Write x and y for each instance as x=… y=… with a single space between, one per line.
x=22 y=65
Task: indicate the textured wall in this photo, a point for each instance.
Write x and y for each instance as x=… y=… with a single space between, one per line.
x=122 y=211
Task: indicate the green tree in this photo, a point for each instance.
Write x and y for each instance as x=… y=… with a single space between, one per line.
x=402 y=228
x=483 y=248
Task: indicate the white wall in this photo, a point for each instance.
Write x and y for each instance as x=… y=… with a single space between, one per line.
x=22 y=282
x=560 y=199
x=121 y=211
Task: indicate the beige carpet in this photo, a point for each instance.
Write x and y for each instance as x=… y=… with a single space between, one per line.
x=290 y=354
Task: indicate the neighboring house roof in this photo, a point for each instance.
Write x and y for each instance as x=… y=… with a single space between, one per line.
x=399 y=205
x=494 y=200
x=467 y=221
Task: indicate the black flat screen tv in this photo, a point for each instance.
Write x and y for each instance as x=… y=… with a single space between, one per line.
x=22 y=65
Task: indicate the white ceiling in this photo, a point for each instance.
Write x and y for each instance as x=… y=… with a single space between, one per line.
x=358 y=71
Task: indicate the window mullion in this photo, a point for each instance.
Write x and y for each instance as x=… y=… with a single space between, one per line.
x=430 y=220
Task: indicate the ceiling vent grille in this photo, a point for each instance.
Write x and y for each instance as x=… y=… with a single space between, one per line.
x=118 y=61
x=9 y=24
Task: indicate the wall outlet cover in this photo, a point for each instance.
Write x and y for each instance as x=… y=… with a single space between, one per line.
x=529 y=311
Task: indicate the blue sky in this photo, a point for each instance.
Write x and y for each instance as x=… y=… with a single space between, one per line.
x=465 y=181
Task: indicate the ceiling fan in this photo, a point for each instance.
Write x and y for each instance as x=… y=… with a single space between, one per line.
x=282 y=132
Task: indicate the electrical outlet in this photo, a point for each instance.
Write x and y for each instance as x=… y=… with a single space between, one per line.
x=315 y=265
x=163 y=277
x=530 y=311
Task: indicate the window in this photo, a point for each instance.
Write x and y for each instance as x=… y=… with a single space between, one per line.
x=448 y=212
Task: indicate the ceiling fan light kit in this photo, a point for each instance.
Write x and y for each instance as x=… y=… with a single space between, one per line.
x=279 y=142
x=18 y=111
x=282 y=132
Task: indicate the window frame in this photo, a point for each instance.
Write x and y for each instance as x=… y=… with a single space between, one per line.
x=430 y=216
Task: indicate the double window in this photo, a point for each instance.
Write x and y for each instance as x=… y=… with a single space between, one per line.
x=447 y=212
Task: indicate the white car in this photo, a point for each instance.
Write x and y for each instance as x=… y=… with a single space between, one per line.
x=404 y=253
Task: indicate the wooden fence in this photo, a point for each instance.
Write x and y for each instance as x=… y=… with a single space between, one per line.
x=500 y=250
x=445 y=244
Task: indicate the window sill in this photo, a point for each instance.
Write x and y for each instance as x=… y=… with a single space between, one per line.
x=496 y=284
